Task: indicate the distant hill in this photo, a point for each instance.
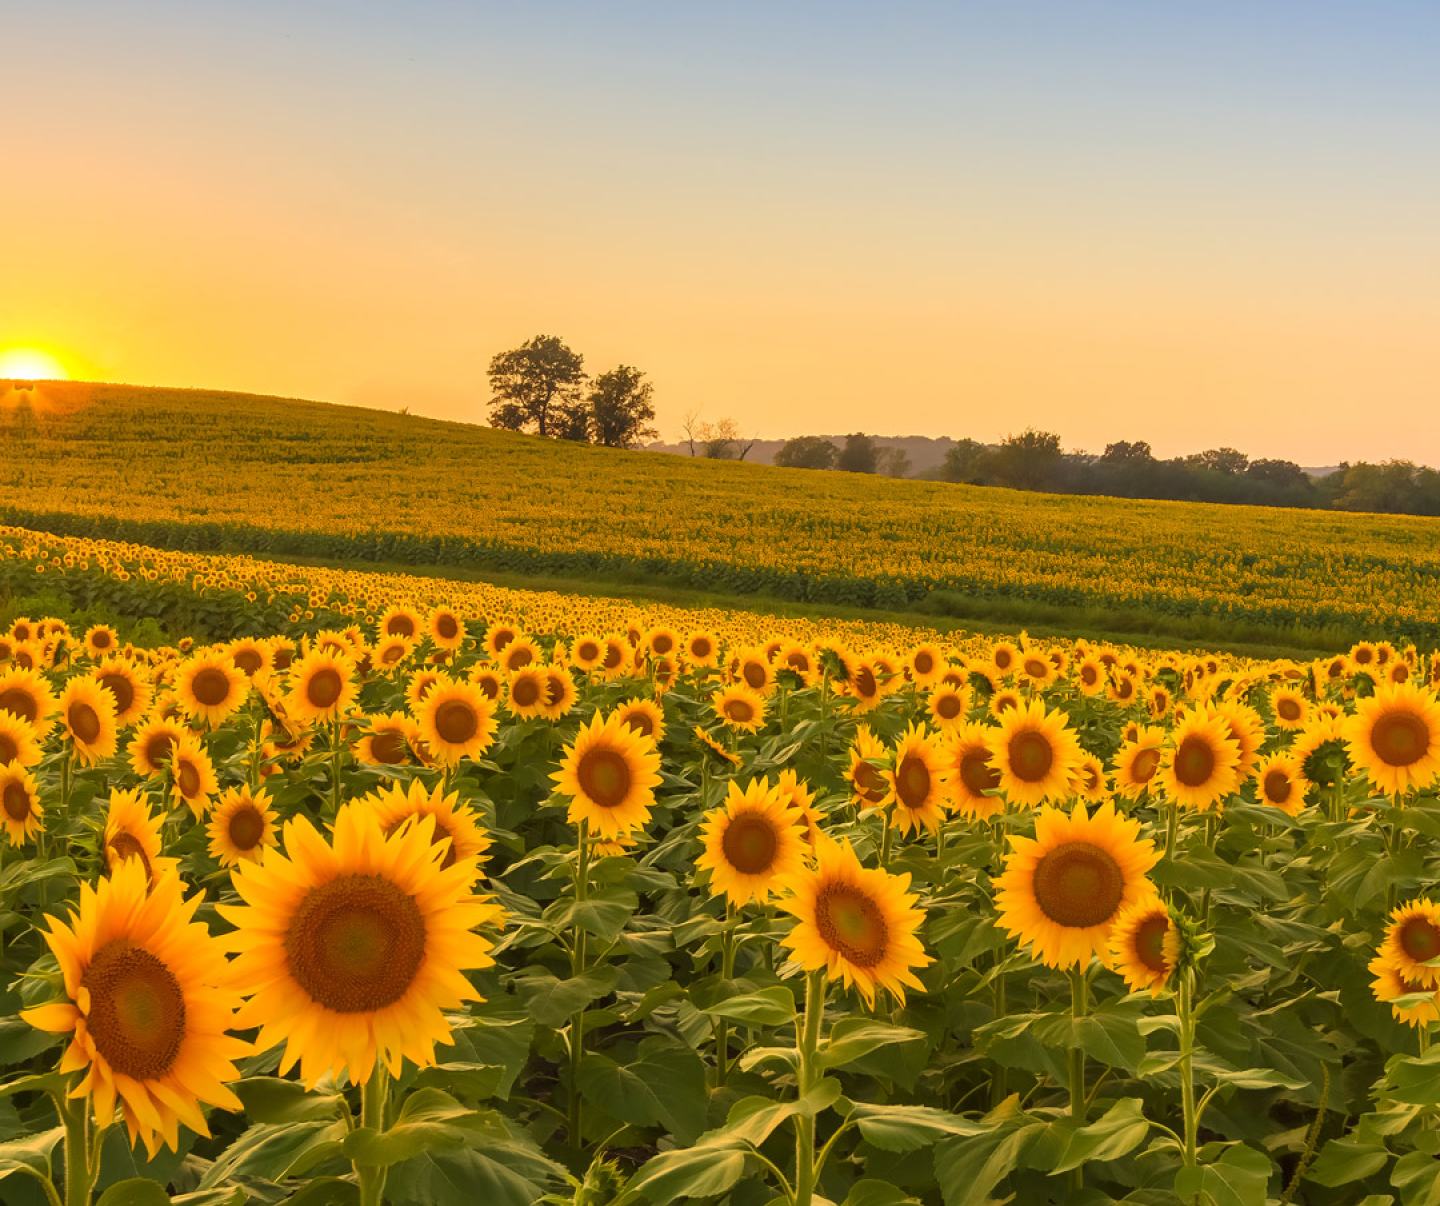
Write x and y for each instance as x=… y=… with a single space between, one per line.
x=927 y=453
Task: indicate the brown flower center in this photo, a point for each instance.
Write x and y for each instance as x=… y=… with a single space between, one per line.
x=21 y=702
x=9 y=749
x=249 y=661
x=864 y=682
x=120 y=686
x=1288 y=709
x=754 y=675
x=211 y=687
x=388 y=747
x=188 y=779
x=851 y=923
x=1277 y=786
x=323 y=689
x=977 y=772
x=739 y=710
x=247 y=827
x=1146 y=763
x=400 y=625
x=127 y=845
x=1150 y=942
x=356 y=943
x=947 y=707
x=924 y=662
x=750 y=844
x=1078 y=885
x=912 y=781
x=869 y=782
x=641 y=722
x=447 y=626
x=1194 y=761
x=519 y=657
x=604 y=776
x=137 y=1010
x=524 y=692
x=1419 y=939
x=456 y=722
x=158 y=747
x=16 y=801
x=1400 y=738
x=1031 y=756
x=84 y=721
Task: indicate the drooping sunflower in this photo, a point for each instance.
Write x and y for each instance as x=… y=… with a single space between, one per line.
x=1281 y=783
x=1145 y=945
x=22 y=814
x=645 y=716
x=152 y=745
x=739 y=707
x=973 y=773
x=148 y=1006
x=353 y=949
x=322 y=687
x=1035 y=752
x=869 y=785
x=1201 y=766
x=859 y=924
x=454 y=823
x=242 y=826
x=27 y=694
x=1062 y=890
x=749 y=842
x=1138 y=761
x=947 y=706
x=1394 y=737
x=192 y=775
x=457 y=721
x=1412 y=940
x=1391 y=983
x=609 y=772
x=714 y=748
x=919 y=783
x=447 y=629
x=19 y=745
x=211 y=688
x=87 y=713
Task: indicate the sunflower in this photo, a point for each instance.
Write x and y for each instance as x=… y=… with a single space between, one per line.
x=100 y=640
x=619 y=657
x=388 y=740
x=19 y=745
x=739 y=707
x=1005 y=657
x=1089 y=780
x=1202 y=764
x=1291 y=708
x=211 y=688
x=400 y=621
x=242 y=826
x=130 y=687
x=1158 y=700
x=27 y=694
x=795 y=659
x=865 y=685
x=753 y=668
x=454 y=824
x=661 y=641
x=973 y=776
x=148 y=1007
x=799 y=799
x=1412 y=941
x=250 y=656
x=1122 y=689
x=1145 y=945
x=391 y=651
x=1394 y=737
x=1281 y=783
x=645 y=716
x=1036 y=670
x=926 y=664
x=518 y=654
x=1062 y=890
x=353 y=950
x=1138 y=761
x=526 y=695
x=715 y=748
x=457 y=721
x=1035 y=752
x=421 y=683
x=857 y=923
x=488 y=679
x=1090 y=675
x=1007 y=699
x=560 y=693
x=750 y=841
x=87 y=712
x=1247 y=731
x=192 y=775
x=152 y=745
x=1390 y=984
x=447 y=629
x=918 y=783
x=498 y=636
x=322 y=687
x=947 y=705
x=609 y=772
x=1362 y=656
x=132 y=831
x=869 y=785
x=586 y=652
x=701 y=649
x=22 y=814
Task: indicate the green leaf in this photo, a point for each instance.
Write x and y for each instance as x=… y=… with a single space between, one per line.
x=271 y=1099
x=232 y=1196
x=1417 y=1176
x=1238 y=1178
x=135 y=1191
x=852 y=1038
x=1110 y=1038
x=322 y=1191
x=773 y=1006
x=664 y=1084
x=906 y=1128
x=30 y=1154
x=551 y=1001
x=1347 y=1159
x=274 y=1151
x=754 y=1119
x=969 y=1168
x=501 y=1166
x=1117 y=1132
x=870 y=1192
x=691 y=1172
x=428 y=1121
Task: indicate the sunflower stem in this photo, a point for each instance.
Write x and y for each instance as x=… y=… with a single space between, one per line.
x=1079 y=1006
x=999 y=1080
x=371 y=1177
x=334 y=767
x=577 y=968
x=1184 y=1007
x=727 y=973
x=885 y=841
x=809 y=1075
x=79 y=1173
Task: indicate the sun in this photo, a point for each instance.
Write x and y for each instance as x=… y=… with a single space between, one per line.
x=30 y=364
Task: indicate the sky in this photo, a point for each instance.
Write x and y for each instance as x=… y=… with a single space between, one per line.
x=1201 y=225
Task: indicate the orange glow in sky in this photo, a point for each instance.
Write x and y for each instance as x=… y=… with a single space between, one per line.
x=30 y=364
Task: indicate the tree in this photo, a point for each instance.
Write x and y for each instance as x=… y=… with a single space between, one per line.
x=536 y=385
x=571 y=422
x=965 y=462
x=1220 y=460
x=720 y=441
x=807 y=452
x=894 y=461
x=1028 y=461
x=692 y=429
x=1128 y=452
x=859 y=454
x=621 y=411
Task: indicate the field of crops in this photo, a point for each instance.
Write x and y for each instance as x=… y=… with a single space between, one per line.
x=215 y=472
x=373 y=888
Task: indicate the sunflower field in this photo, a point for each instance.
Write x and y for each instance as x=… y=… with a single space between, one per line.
x=343 y=897
x=200 y=471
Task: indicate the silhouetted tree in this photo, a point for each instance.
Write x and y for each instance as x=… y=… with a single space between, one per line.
x=859 y=454
x=621 y=410
x=894 y=461
x=1028 y=461
x=807 y=452
x=1220 y=460
x=965 y=462
x=533 y=385
x=1128 y=452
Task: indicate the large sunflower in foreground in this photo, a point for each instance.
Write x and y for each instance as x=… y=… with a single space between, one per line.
x=457 y=721
x=1035 y=752
x=455 y=824
x=1062 y=890
x=609 y=772
x=1394 y=737
x=751 y=840
x=353 y=950
x=919 y=783
x=1412 y=940
x=1202 y=765
x=1145 y=945
x=146 y=1006
x=858 y=923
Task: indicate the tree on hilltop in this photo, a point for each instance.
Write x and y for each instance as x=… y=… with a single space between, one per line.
x=537 y=387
